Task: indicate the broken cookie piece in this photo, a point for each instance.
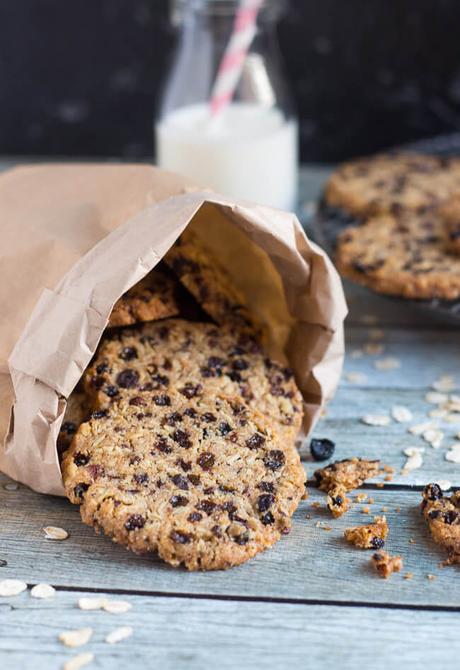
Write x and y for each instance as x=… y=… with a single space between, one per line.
x=369 y=536
x=442 y=514
x=386 y=564
x=342 y=476
x=337 y=501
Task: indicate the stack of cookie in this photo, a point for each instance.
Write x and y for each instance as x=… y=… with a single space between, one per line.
x=180 y=438
x=406 y=240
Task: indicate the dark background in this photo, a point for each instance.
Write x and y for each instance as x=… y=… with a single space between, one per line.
x=80 y=78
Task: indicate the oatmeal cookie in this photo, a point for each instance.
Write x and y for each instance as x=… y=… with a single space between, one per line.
x=443 y=516
x=153 y=298
x=389 y=183
x=449 y=214
x=369 y=536
x=209 y=283
x=342 y=476
x=205 y=481
x=194 y=358
x=402 y=256
x=77 y=411
x=386 y=564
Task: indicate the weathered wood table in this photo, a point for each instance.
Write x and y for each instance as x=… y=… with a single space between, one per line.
x=312 y=600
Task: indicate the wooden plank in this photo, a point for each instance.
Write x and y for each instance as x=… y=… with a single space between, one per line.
x=344 y=426
x=175 y=633
x=310 y=564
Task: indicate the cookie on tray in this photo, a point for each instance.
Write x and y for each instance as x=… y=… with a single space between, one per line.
x=209 y=283
x=387 y=183
x=77 y=411
x=203 y=481
x=443 y=516
x=194 y=358
x=153 y=298
x=450 y=216
x=403 y=256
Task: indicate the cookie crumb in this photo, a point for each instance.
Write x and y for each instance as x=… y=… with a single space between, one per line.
x=342 y=476
x=386 y=564
x=370 y=536
x=408 y=575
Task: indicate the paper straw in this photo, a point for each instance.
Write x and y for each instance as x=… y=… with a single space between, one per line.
x=231 y=65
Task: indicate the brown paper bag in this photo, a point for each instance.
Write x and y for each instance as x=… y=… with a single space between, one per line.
x=76 y=237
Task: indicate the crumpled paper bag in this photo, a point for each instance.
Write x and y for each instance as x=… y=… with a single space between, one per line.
x=76 y=237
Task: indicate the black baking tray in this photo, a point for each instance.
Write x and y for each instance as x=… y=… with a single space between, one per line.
x=328 y=222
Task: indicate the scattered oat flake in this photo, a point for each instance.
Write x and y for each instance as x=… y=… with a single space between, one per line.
x=374 y=349
x=361 y=497
x=11 y=486
x=431 y=577
x=116 y=606
x=366 y=510
x=11 y=587
x=387 y=363
x=452 y=418
x=437 y=413
x=414 y=460
x=408 y=575
x=412 y=541
x=79 y=661
x=43 y=591
x=444 y=383
x=420 y=428
x=91 y=603
x=433 y=437
x=55 y=533
x=356 y=377
x=444 y=484
x=401 y=414
x=453 y=455
x=75 y=638
x=380 y=485
x=375 y=419
x=436 y=398
x=376 y=334
x=316 y=504
x=119 y=634
x=356 y=353
x=384 y=508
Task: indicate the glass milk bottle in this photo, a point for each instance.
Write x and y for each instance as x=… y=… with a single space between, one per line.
x=248 y=148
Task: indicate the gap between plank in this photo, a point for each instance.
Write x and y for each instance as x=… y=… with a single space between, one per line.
x=261 y=599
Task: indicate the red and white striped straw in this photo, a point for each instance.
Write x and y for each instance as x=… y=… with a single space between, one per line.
x=231 y=66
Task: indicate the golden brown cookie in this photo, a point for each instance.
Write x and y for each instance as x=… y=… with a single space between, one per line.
x=368 y=536
x=201 y=274
x=342 y=476
x=449 y=214
x=195 y=359
x=203 y=481
x=443 y=516
x=403 y=256
x=77 y=410
x=153 y=298
x=387 y=183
